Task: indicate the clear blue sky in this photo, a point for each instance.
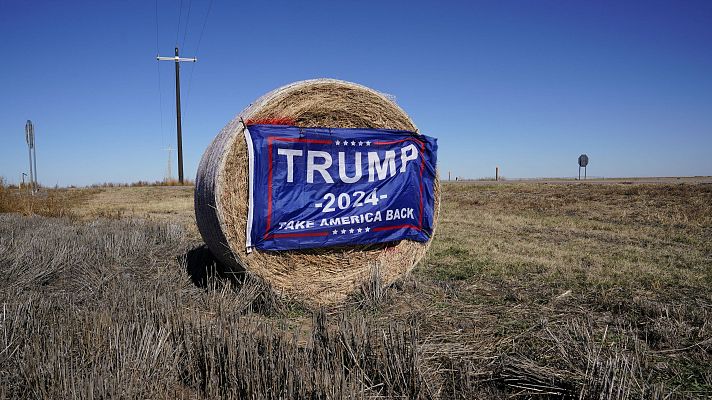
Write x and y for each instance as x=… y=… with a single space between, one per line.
x=526 y=85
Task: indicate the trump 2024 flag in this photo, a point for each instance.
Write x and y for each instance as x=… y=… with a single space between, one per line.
x=319 y=187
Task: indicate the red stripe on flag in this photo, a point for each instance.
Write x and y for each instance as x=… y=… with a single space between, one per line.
x=286 y=235
x=399 y=141
x=422 y=167
x=299 y=140
x=271 y=121
x=389 y=228
x=269 y=184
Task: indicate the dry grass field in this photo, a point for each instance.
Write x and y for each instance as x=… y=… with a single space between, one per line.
x=530 y=289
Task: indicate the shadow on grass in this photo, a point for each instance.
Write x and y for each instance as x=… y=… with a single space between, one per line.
x=238 y=287
x=203 y=267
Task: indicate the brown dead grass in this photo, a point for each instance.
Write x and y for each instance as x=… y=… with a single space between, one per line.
x=156 y=203
x=529 y=289
x=558 y=283
x=45 y=202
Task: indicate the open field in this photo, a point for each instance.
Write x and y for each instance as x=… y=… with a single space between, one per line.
x=600 y=181
x=530 y=289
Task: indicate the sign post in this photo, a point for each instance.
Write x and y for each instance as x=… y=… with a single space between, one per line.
x=30 y=139
x=583 y=162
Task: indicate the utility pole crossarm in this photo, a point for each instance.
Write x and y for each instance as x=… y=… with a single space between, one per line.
x=176 y=59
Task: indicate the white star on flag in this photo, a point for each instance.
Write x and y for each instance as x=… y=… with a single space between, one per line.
x=351 y=230
x=359 y=230
x=346 y=142
x=353 y=143
x=368 y=143
x=367 y=229
x=360 y=143
x=338 y=142
x=335 y=232
x=343 y=231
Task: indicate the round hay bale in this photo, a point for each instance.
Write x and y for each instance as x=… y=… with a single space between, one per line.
x=323 y=276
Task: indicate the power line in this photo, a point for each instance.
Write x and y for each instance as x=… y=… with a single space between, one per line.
x=187 y=22
x=200 y=39
x=180 y=15
x=205 y=21
x=156 y=25
x=160 y=91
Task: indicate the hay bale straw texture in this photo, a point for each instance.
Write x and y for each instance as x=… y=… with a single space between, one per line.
x=315 y=277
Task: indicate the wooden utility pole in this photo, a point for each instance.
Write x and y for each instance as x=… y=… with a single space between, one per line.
x=179 y=130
